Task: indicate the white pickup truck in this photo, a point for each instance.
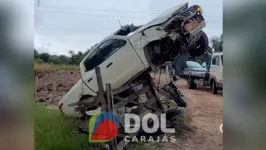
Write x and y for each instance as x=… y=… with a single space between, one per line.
x=210 y=75
x=133 y=50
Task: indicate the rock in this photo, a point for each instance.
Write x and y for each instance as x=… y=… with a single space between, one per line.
x=50 y=87
x=59 y=85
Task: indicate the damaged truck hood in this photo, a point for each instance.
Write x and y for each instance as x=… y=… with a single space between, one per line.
x=164 y=16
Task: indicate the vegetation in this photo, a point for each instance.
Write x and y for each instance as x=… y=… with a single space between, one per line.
x=217 y=43
x=44 y=67
x=44 y=62
x=72 y=59
x=55 y=132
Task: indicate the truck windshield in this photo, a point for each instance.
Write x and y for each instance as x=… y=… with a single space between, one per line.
x=193 y=64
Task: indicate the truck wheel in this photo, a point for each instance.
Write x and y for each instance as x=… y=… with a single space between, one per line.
x=214 y=88
x=190 y=83
x=202 y=46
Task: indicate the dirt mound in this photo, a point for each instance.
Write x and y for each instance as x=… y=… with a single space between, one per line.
x=65 y=80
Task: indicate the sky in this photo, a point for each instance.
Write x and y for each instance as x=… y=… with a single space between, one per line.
x=64 y=25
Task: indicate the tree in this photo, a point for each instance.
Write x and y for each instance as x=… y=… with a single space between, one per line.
x=217 y=43
x=221 y=43
x=45 y=57
x=71 y=53
x=71 y=59
x=64 y=59
x=35 y=54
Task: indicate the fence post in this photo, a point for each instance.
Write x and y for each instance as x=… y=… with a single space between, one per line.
x=36 y=87
x=101 y=88
x=110 y=107
x=54 y=88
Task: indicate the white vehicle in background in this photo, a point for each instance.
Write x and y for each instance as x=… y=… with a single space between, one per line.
x=216 y=72
x=206 y=75
x=135 y=50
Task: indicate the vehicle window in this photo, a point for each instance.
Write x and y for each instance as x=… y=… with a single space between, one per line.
x=213 y=61
x=111 y=46
x=94 y=59
x=217 y=60
x=222 y=59
x=192 y=64
x=119 y=43
x=106 y=47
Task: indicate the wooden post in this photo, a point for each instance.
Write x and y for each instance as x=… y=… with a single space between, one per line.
x=101 y=89
x=110 y=108
x=36 y=87
x=167 y=73
x=54 y=88
x=105 y=104
x=109 y=97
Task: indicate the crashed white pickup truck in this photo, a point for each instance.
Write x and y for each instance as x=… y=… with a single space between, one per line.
x=133 y=51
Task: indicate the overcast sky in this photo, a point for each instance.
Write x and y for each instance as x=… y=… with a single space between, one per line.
x=63 y=25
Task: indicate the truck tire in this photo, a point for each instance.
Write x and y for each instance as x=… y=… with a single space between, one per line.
x=202 y=46
x=213 y=86
x=190 y=83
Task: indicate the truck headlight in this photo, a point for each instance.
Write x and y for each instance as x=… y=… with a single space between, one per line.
x=199 y=9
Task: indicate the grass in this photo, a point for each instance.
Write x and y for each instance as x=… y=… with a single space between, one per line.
x=55 y=132
x=145 y=146
x=44 y=67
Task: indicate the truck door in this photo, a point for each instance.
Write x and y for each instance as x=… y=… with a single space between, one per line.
x=220 y=69
x=87 y=66
x=118 y=62
x=214 y=68
x=121 y=62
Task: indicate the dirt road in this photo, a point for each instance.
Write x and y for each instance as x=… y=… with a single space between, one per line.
x=205 y=110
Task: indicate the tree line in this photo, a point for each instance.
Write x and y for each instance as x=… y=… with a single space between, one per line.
x=71 y=59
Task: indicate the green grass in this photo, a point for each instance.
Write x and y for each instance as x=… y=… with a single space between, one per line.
x=55 y=132
x=145 y=146
x=44 y=67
